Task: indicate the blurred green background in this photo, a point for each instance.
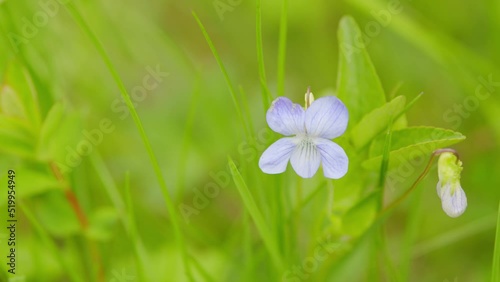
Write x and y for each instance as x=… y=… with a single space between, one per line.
x=445 y=49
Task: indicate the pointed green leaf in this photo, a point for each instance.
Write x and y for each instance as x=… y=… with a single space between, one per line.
x=376 y=121
x=411 y=143
x=358 y=85
x=256 y=215
x=59 y=130
x=19 y=80
x=35 y=182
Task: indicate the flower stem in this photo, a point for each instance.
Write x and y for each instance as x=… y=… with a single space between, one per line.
x=417 y=181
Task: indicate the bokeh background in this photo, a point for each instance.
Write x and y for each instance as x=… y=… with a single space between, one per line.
x=444 y=49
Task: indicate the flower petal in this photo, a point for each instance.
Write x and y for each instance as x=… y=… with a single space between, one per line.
x=454 y=202
x=305 y=158
x=275 y=158
x=333 y=157
x=327 y=118
x=286 y=117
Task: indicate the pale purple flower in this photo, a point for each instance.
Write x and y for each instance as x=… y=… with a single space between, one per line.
x=309 y=143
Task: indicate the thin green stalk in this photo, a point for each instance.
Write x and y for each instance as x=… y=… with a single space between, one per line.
x=127 y=220
x=279 y=214
x=174 y=216
x=257 y=217
x=247 y=241
x=396 y=202
x=301 y=204
x=266 y=95
x=411 y=230
x=139 y=250
x=73 y=275
x=282 y=49
x=186 y=139
x=381 y=238
x=495 y=274
x=232 y=90
x=108 y=183
x=201 y=270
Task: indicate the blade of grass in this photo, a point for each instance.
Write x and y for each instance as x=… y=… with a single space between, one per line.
x=385 y=164
x=139 y=250
x=301 y=204
x=247 y=241
x=127 y=220
x=186 y=139
x=410 y=234
x=256 y=215
x=278 y=213
x=495 y=274
x=126 y=97
x=382 y=238
x=230 y=86
x=266 y=95
x=282 y=49
x=201 y=270
x=108 y=183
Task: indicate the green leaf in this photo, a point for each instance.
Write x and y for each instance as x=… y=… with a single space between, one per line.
x=34 y=182
x=19 y=81
x=411 y=143
x=15 y=137
x=58 y=131
x=358 y=85
x=10 y=103
x=256 y=215
x=376 y=121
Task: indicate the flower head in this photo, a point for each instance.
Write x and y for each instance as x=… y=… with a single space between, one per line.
x=308 y=132
x=453 y=199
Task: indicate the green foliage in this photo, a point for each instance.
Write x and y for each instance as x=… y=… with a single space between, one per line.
x=245 y=225
x=411 y=143
x=373 y=123
x=358 y=85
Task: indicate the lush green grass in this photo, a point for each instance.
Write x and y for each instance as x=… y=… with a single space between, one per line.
x=135 y=131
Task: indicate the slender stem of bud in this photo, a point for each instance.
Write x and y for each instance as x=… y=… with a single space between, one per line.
x=417 y=181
